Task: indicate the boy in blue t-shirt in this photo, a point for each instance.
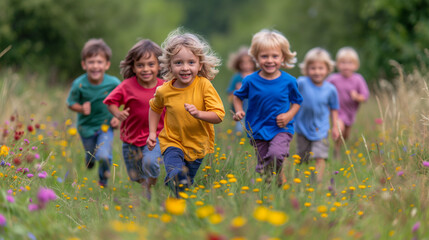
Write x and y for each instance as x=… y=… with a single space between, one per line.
x=94 y=121
x=320 y=103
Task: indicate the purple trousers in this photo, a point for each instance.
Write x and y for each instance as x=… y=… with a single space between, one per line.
x=271 y=153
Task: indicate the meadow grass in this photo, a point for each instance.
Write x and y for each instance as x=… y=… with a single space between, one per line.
x=376 y=190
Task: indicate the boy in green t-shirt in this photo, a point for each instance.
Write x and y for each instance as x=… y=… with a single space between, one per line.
x=94 y=121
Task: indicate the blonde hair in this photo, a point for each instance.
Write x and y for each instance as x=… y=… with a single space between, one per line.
x=94 y=47
x=197 y=45
x=269 y=39
x=236 y=58
x=349 y=53
x=314 y=55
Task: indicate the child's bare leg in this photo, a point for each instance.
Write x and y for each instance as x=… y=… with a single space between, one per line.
x=320 y=168
x=339 y=141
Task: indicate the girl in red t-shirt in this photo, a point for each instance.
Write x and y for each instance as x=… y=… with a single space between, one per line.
x=140 y=69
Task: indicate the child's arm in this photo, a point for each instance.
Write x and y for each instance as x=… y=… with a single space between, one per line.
x=153 y=125
x=85 y=108
x=357 y=97
x=284 y=118
x=121 y=115
x=334 y=119
x=210 y=117
x=238 y=106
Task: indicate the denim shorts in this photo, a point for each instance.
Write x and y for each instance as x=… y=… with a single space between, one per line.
x=177 y=168
x=140 y=162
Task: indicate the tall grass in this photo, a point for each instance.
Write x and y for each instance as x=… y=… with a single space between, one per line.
x=377 y=190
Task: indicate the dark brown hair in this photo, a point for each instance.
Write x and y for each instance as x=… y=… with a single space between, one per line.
x=94 y=47
x=144 y=48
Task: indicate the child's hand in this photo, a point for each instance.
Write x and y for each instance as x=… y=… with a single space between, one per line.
x=86 y=108
x=239 y=115
x=335 y=133
x=151 y=141
x=115 y=122
x=122 y=115
x=192 y=110
x=283 y=119
x=354 y=95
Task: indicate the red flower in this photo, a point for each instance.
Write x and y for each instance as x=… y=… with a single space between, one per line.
x=17 y=161
x=30 y=128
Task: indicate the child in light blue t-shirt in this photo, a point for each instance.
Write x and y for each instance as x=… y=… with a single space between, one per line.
x=312 y=122
x=94 y=121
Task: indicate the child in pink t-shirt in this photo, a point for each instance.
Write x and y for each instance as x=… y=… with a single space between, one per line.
x=352 y=90
x=140 y=70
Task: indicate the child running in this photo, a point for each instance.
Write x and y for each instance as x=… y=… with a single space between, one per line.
x=94 y=122
x=319 y=105
x=191 y=104
x=352 y=90
x=274 y=100
x=242 y=63
x=140 y=69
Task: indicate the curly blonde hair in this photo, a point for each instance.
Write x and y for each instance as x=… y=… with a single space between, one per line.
x=314 y=55
x=197 y=45
x=269 y=39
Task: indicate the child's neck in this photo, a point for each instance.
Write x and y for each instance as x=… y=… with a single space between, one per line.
x=150 y=84
x=95 y=81
x=270 y=76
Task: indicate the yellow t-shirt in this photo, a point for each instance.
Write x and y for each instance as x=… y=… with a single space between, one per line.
x=195 y=137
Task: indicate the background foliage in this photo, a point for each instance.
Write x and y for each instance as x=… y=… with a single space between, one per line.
x=47 y=35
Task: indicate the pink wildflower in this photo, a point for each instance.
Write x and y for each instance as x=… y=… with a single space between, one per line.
x=416 y=226
x=426 y=163
x=379 y=121
x=44 y=196
x=10 y=198
x=43 y=174
x=33 y=207
x=2 y=220
x=30 y=175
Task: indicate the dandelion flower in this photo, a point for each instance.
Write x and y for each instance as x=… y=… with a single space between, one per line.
x=205 y=211
x=261 y=213
x=322 y=209
x=238 y=222
x=104 y=127
x=215 y=218
x=277 y=218
x=175 y=206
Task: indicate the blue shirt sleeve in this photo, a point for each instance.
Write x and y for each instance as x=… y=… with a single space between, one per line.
x=243 y=92
x=334 y=102
x=295 y=95
x=234 y=80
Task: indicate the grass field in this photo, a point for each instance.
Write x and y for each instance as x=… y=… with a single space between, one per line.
x=377 y=190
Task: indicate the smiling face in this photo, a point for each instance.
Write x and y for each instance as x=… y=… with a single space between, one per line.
x=270 y=61
x=317 y=71
x=347 y=66
x=95 y=67
x=185 y=67
x=146 y=70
